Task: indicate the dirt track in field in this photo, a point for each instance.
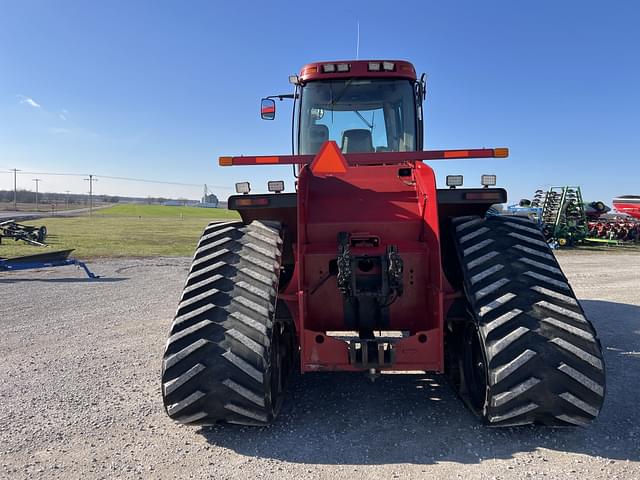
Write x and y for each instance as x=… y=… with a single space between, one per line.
x=80 y=394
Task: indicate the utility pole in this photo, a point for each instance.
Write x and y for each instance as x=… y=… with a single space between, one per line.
x=37 y=180
x=91 y=179
x=67 y=200
x=15 y=189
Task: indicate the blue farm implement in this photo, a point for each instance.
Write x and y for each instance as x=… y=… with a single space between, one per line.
x=43 y=260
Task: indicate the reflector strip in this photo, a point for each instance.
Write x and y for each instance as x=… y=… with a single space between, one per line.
x=267 y=159
x=456 y=153
x=226 y=161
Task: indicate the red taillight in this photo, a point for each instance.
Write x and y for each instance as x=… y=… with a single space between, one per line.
x=483 y=196
x=252 y=202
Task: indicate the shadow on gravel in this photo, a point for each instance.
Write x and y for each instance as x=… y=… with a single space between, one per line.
x=64 y=280
x=341 y=418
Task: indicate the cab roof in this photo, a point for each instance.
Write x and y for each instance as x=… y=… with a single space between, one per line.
x=357 y=68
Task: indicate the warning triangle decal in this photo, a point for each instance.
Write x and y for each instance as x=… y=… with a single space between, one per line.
x=329 y=160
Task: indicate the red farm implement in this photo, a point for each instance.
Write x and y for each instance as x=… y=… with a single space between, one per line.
x=368 y=267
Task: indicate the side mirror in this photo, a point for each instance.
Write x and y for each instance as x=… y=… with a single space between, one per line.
x=268 y=109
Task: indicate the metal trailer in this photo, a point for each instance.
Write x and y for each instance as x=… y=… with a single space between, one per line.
x=16 y=231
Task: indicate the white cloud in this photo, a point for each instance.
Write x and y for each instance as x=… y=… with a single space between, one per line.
x=28 y=101
x=62 y=116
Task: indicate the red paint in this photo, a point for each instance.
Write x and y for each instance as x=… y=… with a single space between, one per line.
x=359 y=68
x=629 y=204
x=374 y=201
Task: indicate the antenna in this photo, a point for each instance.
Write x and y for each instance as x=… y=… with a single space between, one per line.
x=358 y=40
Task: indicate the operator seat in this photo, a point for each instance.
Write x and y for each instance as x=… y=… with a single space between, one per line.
x=318 y=134
x=357 y=140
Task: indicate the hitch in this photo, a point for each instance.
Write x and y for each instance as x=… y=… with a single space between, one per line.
x=369 y=285
x=371 y=354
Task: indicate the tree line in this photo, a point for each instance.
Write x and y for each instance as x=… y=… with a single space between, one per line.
x=27 y=196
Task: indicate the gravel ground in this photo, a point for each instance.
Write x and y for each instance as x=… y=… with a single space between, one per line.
x=80 y=394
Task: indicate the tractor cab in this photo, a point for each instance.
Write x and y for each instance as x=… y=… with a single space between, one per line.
x=360 y=115
x=363 y=106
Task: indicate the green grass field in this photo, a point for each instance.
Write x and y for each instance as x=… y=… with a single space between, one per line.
x=124 y=231
x=159 y=211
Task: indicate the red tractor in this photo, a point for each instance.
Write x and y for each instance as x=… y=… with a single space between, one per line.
x=368 y=267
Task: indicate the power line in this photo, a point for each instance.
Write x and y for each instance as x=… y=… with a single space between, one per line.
x=155 y=181
x=130 y=179
x=56 y=173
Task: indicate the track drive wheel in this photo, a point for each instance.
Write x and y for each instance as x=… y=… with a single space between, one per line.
x=228 y=356
x=527 y=353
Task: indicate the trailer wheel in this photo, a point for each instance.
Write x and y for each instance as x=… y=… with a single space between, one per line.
x=42 y=234
x=229 y=355
x=527 y=354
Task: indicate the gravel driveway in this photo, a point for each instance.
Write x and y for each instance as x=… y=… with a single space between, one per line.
x=80 y=394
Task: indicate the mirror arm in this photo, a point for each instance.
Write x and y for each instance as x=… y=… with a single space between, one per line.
x=283 y=96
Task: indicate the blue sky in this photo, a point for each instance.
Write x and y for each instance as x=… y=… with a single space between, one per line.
x=160 y=89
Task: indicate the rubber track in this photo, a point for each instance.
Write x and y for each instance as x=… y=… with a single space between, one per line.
x=216 y=366
x=544 y=359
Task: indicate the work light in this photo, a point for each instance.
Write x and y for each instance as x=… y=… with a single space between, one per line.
x=276 y=186
x=454 y=181
x=243 y=187
x=488 y=180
